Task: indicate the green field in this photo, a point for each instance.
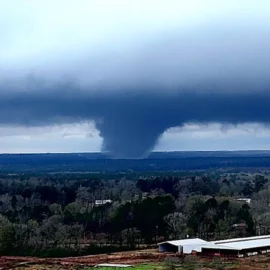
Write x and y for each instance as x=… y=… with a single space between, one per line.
x=194 y=265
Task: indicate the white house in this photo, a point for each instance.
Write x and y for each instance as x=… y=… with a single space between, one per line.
x=102 y=202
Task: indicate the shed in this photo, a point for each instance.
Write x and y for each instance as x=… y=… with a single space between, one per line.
x=102 y=202
x=245 y=200
x=184 y=246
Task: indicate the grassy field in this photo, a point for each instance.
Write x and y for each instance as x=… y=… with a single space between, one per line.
x=161 y=266
x=192 y=265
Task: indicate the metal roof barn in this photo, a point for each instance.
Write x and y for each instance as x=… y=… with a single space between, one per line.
x=240 y=239
x=237 y=246
x=185 y=246
x=248 y=244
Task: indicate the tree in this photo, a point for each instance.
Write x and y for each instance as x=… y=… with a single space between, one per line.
x=261 y=202
x=84 y=197
x=176 y=223
x=6 y=235
x=248 y=189
x=56 y=209
x=49 y=228
x=72 y=211
x=263 y=221
x=75 y=232
x=130 y=236
x=33 y=231
x=223 y=228
x=245 y=215
x=260 y=182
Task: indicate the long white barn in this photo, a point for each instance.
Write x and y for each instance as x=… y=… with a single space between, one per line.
x=238 y=247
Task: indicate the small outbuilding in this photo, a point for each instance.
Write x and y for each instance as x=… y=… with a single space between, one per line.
x=244 y=200
x=184 y=246
x=102 y=202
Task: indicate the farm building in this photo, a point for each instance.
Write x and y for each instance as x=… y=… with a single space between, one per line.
x=102 y=202
x=238 y=247
x=245 y=200
x=185 y=246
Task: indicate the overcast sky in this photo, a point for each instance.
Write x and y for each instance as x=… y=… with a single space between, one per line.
x=132 y=76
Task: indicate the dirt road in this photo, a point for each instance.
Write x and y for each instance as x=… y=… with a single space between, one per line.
x=8 y=262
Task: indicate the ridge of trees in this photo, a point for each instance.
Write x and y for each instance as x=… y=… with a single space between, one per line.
x=56 y=215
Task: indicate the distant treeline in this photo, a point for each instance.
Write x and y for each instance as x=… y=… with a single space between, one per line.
x=157 y=162
x=58 y=215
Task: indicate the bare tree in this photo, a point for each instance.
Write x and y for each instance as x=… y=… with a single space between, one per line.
x=176 y=223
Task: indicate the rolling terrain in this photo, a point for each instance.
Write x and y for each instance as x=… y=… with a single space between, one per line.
x=157 y=161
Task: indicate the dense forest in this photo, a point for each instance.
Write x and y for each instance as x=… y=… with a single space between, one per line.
x=63 y=214
x=156 y=162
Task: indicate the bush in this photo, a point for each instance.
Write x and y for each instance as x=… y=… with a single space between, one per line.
x=171 y=263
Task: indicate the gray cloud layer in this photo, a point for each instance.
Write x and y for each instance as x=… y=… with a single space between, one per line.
x=131 y=123
x=158 y=71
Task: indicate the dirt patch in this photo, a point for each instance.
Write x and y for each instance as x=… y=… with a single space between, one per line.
x=138 y=257
x=8 y=262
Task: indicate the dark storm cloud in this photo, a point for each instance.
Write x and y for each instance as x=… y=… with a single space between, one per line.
x=131 y=123
x=136 y=70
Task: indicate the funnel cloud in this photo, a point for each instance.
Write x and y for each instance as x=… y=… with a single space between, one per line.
x=135 y=77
